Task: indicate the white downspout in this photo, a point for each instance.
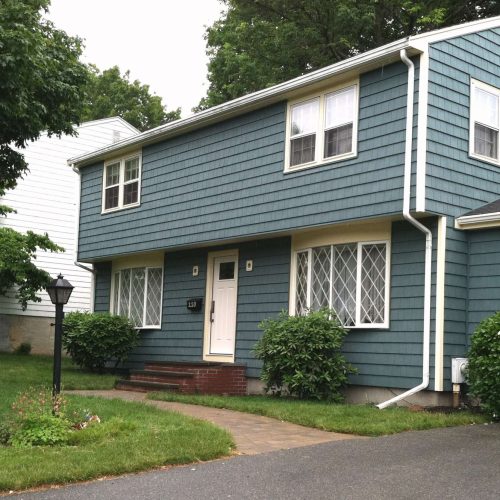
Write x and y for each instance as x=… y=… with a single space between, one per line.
x=76 y=263
x=421 y=227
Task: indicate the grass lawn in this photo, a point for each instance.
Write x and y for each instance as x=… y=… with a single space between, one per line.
x=131 y=436
x=351 y=419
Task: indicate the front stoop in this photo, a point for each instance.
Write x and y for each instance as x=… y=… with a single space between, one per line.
x=188 y=378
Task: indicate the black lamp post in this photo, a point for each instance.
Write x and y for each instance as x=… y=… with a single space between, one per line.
x=59 y=292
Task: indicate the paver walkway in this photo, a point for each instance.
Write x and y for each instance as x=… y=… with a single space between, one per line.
x=253 y=434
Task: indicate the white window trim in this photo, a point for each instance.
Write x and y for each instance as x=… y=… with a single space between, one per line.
x=492 y=90
x=121 y=183
x=320 y=128
x=360 y=244
x=118 y=270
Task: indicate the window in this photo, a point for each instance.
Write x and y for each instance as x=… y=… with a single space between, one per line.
x=352 y=279
x=485 y=111
x=323 y=128
x=137 y=294
x=121 y=183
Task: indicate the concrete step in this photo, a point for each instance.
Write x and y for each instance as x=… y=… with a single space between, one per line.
x=144 y=386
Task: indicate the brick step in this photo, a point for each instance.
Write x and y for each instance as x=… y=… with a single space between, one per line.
x=144 y=386
x=184 y=366
x=138 y=374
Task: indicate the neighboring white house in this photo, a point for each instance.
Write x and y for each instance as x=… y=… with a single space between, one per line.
x=46 y=200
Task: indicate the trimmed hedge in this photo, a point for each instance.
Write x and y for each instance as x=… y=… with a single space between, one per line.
x=301 y=355
x=95 y=339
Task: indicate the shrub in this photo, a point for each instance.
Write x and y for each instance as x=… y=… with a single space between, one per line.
x=24 y=348
x=301 y=355
x=44 y=430
x=5 y=433
x=483 y=372
x=94 y=339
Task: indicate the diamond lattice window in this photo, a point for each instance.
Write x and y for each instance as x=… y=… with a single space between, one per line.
x=137 y=295
x=348 y=278
x=301 y=296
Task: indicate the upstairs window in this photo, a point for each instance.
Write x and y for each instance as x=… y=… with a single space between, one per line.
x=322 y=129
x=485 y=112
x=121 y=183
x=352 y=279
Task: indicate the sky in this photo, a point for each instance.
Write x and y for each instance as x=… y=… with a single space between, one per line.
x=160 y=41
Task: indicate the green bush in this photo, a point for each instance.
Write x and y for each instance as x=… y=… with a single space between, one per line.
x=94 y=339
x=44 y=430
x=483 y=372
x=23 y=349
x=301 y=355
x=38 y=419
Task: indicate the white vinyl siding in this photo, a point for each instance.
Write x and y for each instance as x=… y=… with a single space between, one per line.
x=322 y=128
x=352 y=279
x=46 y=200
x=484 y=126
x=137 y=294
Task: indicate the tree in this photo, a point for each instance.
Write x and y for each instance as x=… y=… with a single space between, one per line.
x=17 y=252
x=41 y=82
x=41 y=88
x=108 y=93
x=259 y=43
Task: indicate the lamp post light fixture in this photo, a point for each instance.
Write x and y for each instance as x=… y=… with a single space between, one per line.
x=59 y=291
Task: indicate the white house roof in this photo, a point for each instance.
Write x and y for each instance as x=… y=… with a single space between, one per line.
x=362 y=62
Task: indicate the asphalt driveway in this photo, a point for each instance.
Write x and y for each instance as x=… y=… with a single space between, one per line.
x=454 y=463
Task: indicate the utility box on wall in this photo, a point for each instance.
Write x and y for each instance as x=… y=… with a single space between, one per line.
x=458 y=367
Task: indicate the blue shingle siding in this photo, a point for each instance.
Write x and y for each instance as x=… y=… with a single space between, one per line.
x=262 y=293
x=102 y=292
x=393 y=357
x=226 y=181
x=484 y=272
x=457 y=183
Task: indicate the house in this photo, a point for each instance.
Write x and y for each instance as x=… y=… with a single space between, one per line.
x=350 y=187
x=46 y=200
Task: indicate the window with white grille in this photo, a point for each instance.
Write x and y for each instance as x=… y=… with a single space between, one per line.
x=322 y=128
x=352 y=279
x=137 y=294
x=121 y=183
x=485 y=121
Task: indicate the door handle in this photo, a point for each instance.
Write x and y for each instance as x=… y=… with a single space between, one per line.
x=212 y=310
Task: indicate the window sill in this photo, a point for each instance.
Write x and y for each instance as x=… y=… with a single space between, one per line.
x=119 y=209
x=157 y=327
x=313 y=164
x=368 y=327
x=486 y=159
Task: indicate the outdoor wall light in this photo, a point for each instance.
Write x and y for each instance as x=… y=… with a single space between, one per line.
x=59 y=291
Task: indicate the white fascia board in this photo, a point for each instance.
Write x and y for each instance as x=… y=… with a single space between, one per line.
x=454 y=31
x=111 y=119
x=417 y=43
x=478 y=221
x=246 y=103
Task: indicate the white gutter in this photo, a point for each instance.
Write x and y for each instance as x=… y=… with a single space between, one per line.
x=385 y=54
x=75 y=262
x=428 y=238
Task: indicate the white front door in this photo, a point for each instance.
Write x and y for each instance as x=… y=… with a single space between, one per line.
x=223 y=306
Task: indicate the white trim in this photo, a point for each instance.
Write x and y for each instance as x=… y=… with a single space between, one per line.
x=423 y=99
x=320 y=97
x=472 y=120
x=146 y=261
x=359 y=263
x=440 y=303
x=478 y=221
x=121 y=182
x=207 y=356
x=362 y=62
